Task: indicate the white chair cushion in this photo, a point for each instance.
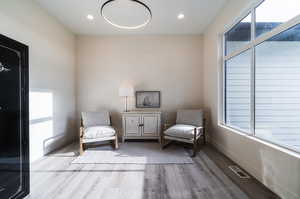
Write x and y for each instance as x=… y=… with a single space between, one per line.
x=181 y=131
x=90 y=119
x=98 y=132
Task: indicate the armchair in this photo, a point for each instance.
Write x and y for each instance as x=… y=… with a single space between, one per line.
x=96 y=127
x=189 y=128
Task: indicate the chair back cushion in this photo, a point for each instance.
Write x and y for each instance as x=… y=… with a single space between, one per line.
x=190 y=117
x=95 y=118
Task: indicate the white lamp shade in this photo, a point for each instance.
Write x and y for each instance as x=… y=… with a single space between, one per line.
x=126 y=92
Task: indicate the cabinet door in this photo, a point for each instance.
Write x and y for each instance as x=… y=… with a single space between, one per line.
x=150 y=127
x=132 y=127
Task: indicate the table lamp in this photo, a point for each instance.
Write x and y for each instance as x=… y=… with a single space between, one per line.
x=126 y=92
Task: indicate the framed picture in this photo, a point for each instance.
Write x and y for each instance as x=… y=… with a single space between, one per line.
x=147 y=99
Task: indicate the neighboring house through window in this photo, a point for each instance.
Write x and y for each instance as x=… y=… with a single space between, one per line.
x=261 y=85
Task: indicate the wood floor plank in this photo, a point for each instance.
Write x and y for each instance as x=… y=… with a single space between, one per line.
x=55 y=177
x=250 y=187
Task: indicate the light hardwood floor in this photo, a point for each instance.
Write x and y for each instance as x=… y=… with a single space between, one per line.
x=55 y=177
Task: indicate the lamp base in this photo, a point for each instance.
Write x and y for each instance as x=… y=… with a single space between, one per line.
x=126 y=109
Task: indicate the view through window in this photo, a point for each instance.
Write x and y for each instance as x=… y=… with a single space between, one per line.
x=262 y=82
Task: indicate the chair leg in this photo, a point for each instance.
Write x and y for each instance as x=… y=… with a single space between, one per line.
x=81 y=148
x=194 y=148
x=204 y=134
x=165 y=145
x=116 y=143
x=195 y=142
x=162 y=141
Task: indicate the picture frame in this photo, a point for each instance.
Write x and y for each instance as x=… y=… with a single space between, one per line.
x=147 y=99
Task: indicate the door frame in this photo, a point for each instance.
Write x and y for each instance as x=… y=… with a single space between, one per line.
x=23 y=54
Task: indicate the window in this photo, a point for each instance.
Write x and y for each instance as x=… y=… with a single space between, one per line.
x=262 y=74
x=277 y=88
x=272 y=13
x=238 y=91
x=41 y=122
x=238 y=35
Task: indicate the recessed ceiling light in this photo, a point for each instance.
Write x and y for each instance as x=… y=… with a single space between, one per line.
x=90 y=17
x=180 y=16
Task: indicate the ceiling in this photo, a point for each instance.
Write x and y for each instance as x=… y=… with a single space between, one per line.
x=198 y=14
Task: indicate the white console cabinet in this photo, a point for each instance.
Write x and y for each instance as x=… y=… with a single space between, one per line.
x=141 y=125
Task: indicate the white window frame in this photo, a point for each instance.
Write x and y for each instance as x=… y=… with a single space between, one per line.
x=255 y=41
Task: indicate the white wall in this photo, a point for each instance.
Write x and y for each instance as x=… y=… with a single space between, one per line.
x=52 y=66
x=170 y=64
x=271 y=165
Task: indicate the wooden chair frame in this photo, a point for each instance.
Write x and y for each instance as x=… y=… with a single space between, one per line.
x=114 y=139
x=193 y=141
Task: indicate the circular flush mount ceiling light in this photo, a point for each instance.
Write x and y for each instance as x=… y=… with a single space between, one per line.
x=126 y=14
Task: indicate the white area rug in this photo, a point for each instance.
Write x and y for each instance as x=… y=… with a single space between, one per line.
x=135 y=153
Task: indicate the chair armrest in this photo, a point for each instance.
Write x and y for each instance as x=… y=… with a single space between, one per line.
x=166 y=126
x=197 y=129
x=81 y=131
x=117 y=134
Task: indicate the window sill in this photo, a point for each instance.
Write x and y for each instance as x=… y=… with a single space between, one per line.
x=264 y=142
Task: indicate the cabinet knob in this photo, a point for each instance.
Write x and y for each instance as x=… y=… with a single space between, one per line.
x=140 y=125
